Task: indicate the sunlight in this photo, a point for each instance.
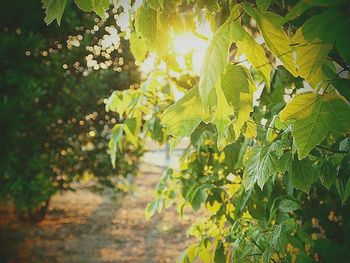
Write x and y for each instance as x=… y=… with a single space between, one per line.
x=187 y=43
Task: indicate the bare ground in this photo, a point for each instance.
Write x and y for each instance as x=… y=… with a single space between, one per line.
x=86 y=227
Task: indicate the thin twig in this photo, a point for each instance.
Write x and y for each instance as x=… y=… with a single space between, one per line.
x=331 y=150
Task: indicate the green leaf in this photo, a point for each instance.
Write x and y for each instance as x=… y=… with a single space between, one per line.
x=344 y=145
x=276 y=39
x=234 y=80
x=132 y=130
x=288 y=205
x=137 y=47
x=151 y=209
x=100 y=7
x=260 y=164
x=342 y=86
x=250 y=129
x=97 y=6
x=250 y=162
x=303 y=174
x=328 y=174
x=156 y=4
x=317 y=28
x=275 y=237
x=114 y=142
x=85 y=5
x=314 y=117
x=310 y=56
x=215 y=61
x=296 y=11
x=54 y=10
x=245 y=108
x=198 y=196
x=146 y=25
x=211 y=5
x=220 y=253
x=282 y=80
x=234 y=96
x=266 y=256
x=263 y=5
x=255 y=54
x=121 y=101
x=149 y=27
x=182 y=118
x=222 y=114
x=344 y=192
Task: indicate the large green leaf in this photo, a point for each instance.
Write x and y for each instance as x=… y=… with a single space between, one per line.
x=318 y=28
x=328 y=174
x=303 y=174
x=182 y=118
x=242 y=90
x=216 y=59
x=263 y=5
x=310 y=56
x=54 y=10
x=146 y=24
x=254 y=53
x=314 y=117
x=237 y=89
x=153 y=31
x=243 y=113
x=261 y=163
x=85 y=5
x=137 y=47
x=234 y=80
x=342 y=86
x=210 y=5
x=156 y=4
x=132 y=130
x=276 y=39
x=97 y=6
x=100 y=7
x=222 y=115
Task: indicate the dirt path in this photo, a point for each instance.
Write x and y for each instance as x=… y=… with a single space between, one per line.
x=86 y=227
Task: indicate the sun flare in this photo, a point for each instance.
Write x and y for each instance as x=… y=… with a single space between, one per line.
x=187 y=43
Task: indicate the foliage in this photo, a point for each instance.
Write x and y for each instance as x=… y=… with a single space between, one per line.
x=55 y=130
x=268 y=118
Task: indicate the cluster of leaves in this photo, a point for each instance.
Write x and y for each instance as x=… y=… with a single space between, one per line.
x=55 y=130
x=268 y=117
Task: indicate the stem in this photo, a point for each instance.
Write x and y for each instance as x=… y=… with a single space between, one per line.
x=331 y=150
x=256 y=244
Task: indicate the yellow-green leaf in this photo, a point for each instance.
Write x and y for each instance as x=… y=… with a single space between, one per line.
x=54 y=10
x=222 y=115
x=309 y=57
x=315 y=116
x=255 y=54
x=275 y=37
x=182 y=118
x=137 y=47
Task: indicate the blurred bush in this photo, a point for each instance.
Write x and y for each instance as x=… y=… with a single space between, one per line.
x=54 y=128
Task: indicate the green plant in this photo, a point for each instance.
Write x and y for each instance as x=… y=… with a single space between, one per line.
x=268 y=116
x=54 y=127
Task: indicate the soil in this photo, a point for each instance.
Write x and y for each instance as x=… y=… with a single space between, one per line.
x=86 y=227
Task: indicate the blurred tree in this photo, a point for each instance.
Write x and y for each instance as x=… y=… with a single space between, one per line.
x=54 y=129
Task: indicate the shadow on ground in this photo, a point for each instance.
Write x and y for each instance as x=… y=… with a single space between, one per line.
x=85 y=227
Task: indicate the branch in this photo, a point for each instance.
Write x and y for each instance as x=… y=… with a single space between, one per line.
x=331 y=150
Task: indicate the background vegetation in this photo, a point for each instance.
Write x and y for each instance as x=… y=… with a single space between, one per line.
x=261 y=88
x=54 y=126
